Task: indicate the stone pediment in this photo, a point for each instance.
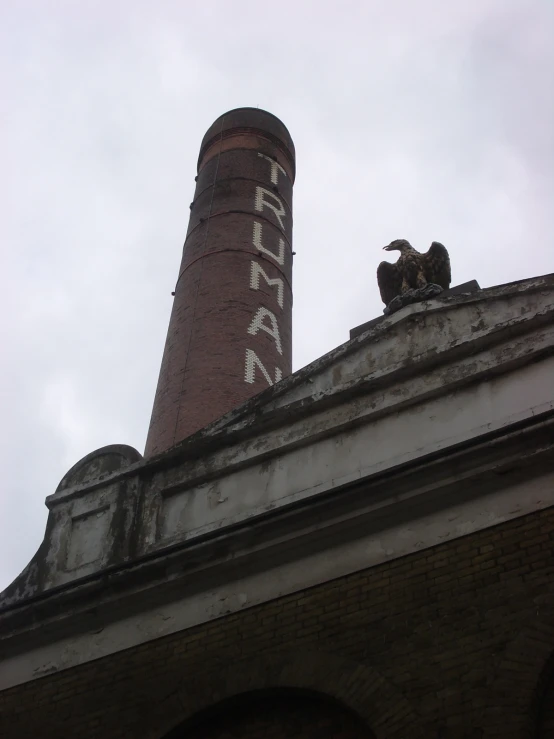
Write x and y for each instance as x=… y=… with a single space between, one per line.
x=411 y=342
x=428 y=410
x=422 y=353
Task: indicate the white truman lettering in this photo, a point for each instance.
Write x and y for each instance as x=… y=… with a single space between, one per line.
x=258 y=324
x=265 y=320
x=256 y=271
x=257 y=241
x=275 y=168
x=253 y=361
x=260 y=201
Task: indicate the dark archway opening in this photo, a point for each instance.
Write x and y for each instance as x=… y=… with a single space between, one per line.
x=274 y=714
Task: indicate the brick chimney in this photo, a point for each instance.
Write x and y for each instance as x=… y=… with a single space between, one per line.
x=230 y=331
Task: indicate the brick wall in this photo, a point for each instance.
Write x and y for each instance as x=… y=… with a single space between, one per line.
x=449 y=642
x=546 y=704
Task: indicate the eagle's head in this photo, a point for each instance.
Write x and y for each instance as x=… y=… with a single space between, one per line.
x=397 y=244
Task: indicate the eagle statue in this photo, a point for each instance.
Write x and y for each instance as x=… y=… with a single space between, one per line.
x=413 y=270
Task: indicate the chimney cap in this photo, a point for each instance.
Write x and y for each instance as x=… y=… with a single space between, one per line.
x=252 y=120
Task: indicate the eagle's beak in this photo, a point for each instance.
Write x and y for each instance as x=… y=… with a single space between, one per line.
x=386 y=248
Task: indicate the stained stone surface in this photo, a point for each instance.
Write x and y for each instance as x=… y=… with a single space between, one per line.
x=413 y=296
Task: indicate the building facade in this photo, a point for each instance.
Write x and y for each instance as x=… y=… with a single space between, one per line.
x=362 y=549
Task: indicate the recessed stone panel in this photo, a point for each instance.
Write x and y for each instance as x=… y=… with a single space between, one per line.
x=88 y=538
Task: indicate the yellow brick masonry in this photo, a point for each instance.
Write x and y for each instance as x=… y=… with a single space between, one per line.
x=453 y=639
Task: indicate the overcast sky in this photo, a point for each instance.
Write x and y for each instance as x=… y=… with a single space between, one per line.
x=418 y=119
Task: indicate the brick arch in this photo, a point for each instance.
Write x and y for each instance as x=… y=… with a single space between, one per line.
x=358 y=687
x=519 y=680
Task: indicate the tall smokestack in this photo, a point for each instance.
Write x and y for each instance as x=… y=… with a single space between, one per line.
x=230 y=332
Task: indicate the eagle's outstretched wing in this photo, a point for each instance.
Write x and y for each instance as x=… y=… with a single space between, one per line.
x=437 y=265
x=389 y=280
